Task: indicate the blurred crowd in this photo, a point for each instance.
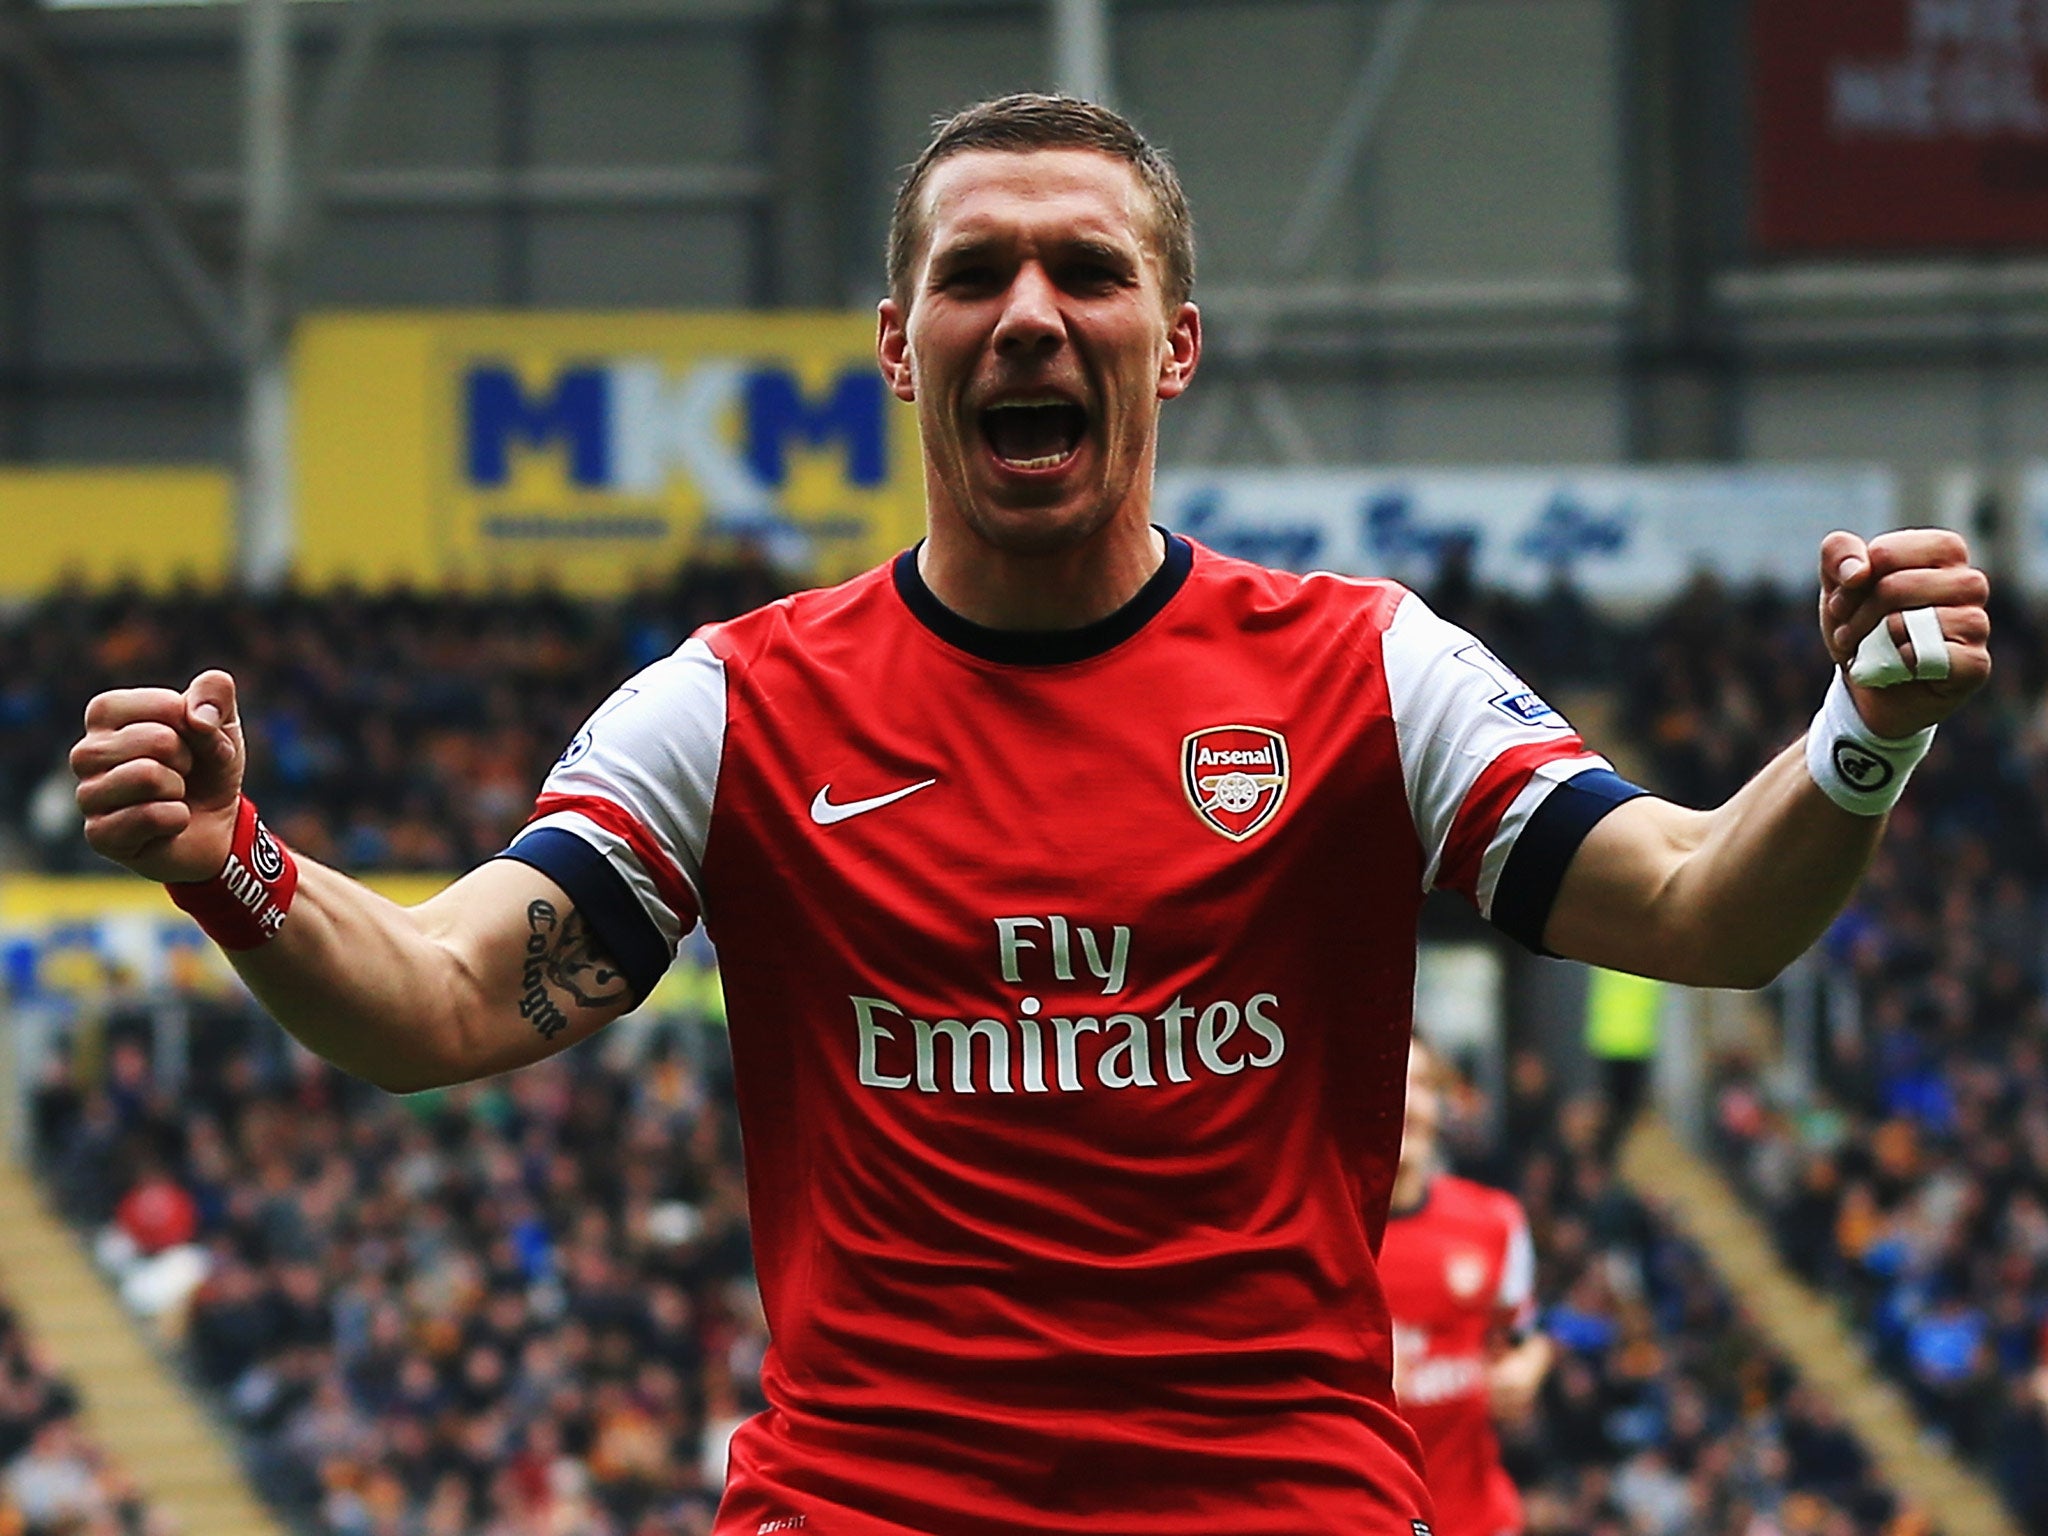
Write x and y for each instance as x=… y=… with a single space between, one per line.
x=1667 y=1413
x=525 y=1307
x=1901 y=1147
x=54 y=1481
x=518 y=1308
x=401 y=731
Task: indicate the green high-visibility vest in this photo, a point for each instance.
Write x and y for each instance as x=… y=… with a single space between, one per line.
x=690 y=986
x=1621 y=1015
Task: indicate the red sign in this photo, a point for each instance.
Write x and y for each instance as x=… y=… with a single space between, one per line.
x=1901 y=124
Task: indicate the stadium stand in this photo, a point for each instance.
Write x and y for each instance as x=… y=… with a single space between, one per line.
x=516 y=1307
x=527 y=1302
x=163 y=1464
x=1668 y=1411
x=55 y=1479
x=399 y=731
x=1901 y=1156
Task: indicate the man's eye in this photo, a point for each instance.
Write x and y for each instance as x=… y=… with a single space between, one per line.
x=1095 y=274
x=969 y=277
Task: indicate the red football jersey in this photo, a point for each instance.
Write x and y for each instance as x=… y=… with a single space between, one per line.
x=1069 y=980
x=1459 y=1270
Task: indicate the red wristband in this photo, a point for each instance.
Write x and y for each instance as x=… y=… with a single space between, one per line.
x=244 y=905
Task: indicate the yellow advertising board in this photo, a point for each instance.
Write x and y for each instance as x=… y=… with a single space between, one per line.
x=91 y=938
x=151 y=527
x=38 y=901
x=75 y=942
x=594 y=452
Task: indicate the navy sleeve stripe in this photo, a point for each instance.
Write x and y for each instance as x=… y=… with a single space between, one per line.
x=1535 y=868
x=605 y=900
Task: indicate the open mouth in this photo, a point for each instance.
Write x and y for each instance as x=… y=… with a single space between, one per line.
x=1034 y=432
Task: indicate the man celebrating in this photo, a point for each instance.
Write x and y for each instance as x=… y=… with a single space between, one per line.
x=1460 y=1275
x=1065 y=879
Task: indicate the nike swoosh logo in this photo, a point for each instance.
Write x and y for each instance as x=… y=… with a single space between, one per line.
x=826 y=814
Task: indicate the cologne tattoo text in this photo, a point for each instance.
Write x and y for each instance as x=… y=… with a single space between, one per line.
x=564 y=954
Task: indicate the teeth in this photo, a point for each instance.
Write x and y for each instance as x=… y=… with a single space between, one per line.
x=1038 y=434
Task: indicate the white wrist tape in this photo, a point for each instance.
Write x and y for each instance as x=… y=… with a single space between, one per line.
x=1880 y=663
x=1862 y=772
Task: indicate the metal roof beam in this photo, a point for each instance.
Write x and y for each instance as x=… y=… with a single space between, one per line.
x=332 y=116
x=1348 y=140
x=121 y=24
x=1595 y=296
x=459 y=188
x=174 y=244
x=1884 y=286
x=1082 y=53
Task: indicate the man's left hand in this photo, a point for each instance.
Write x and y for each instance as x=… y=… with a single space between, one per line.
x=1515 y=1377
x=1863 y=585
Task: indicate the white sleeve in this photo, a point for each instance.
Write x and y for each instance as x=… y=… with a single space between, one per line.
x=622 y=819
x=1517 y=1299
x=1480 y=750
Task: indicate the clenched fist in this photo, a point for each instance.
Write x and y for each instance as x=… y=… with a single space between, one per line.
x=160 y=776
x=1864 y=585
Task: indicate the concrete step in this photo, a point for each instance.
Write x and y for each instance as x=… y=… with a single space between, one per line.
x=135 y=1405
x=202 y=1518
x=1809 y=1331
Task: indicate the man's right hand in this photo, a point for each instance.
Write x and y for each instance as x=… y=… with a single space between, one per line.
x=498 y=970
x=160 y=775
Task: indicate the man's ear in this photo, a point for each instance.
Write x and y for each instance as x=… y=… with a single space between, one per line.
x=892 y=350
x=1183 y=351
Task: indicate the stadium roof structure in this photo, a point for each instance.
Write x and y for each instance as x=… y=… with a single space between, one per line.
x=210 y=17
x=526 y=12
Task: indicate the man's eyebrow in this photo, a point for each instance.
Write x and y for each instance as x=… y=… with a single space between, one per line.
x=1100 y=250
x=969 y=247
x=965 y=248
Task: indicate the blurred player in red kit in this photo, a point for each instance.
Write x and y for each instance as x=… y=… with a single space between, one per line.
x=1459 y=1274
x=1065 y=878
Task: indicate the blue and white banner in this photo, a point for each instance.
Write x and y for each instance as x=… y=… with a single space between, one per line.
x=2032 y=551
x=1622 y=536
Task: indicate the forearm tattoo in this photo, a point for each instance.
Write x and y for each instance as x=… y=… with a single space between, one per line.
x=563 y=955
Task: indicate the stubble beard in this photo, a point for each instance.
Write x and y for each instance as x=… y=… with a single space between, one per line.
x=1023 y=533
x=1058 y=525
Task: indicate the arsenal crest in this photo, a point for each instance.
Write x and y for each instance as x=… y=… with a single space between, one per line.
x=1235 y=777
x=1465 y=1273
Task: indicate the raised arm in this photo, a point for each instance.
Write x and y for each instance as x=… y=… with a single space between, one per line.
x=496 y=971
x=1729 y=897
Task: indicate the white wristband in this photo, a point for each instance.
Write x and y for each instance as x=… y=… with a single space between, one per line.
x=1862 y=772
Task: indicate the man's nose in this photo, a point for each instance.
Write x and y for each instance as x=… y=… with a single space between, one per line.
x=1031 y=320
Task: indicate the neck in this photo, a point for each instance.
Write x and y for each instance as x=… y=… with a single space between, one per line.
x=1411 y=1183
x=1062 y=589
